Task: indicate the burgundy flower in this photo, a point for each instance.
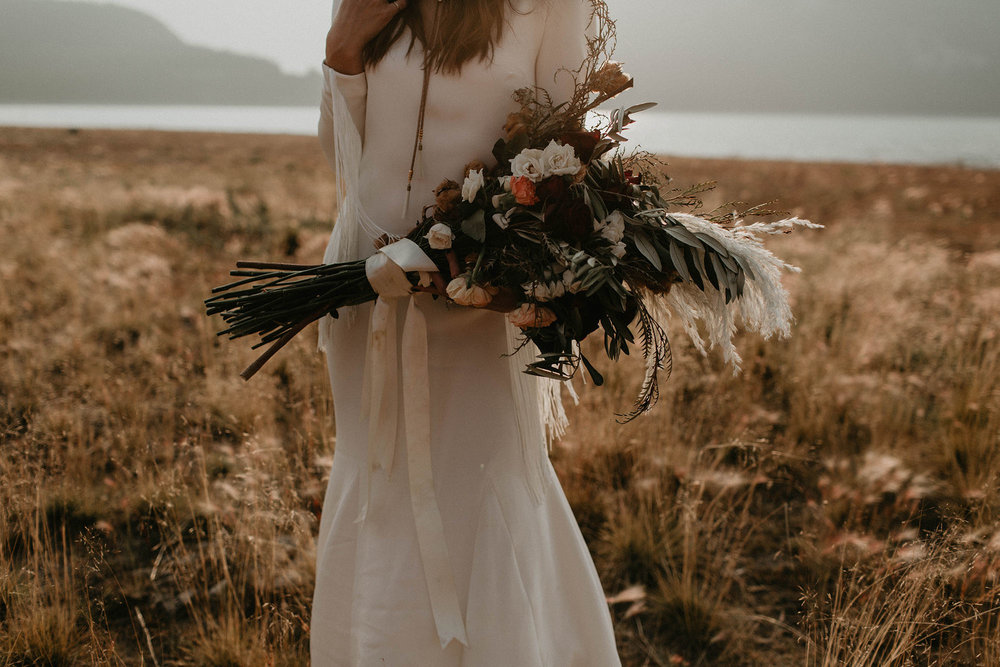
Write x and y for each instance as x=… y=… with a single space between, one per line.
x=570 y=219
x=553 y=187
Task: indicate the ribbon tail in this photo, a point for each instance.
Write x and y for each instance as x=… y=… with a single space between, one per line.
x=379 y=395
x=430 y=526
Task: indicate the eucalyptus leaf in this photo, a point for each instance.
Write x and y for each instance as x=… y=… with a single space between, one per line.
x=640 y=107
x=718 y=270
x=475 y=226
x=682 y=234
x=598 y=207
x=643 y=245
x=699 y=260
x=594 y=375
x=543 y=372
x=725 y=275
x=677 y=258
x=729 y=262
x=745 y=266
x=712 y=243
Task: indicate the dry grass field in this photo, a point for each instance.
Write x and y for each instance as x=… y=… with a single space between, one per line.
x=836 y=504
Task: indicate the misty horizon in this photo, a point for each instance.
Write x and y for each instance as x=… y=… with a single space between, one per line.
x=849 y=58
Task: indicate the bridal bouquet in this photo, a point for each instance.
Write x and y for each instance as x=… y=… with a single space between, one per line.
x=573 y=233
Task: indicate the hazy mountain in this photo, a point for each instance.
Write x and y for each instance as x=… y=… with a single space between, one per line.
x=74 y=52
x=873 y=56
x=835 y=56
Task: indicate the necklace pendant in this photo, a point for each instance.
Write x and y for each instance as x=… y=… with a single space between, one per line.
x=406 y=203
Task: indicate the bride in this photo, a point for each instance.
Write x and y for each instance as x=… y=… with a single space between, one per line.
x=445 y=537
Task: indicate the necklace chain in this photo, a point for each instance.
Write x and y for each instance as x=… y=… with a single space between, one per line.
x=418 y=140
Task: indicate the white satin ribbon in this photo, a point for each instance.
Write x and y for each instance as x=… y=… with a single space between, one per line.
x=386 y=271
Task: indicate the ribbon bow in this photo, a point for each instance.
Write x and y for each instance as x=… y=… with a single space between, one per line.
x=386 y=271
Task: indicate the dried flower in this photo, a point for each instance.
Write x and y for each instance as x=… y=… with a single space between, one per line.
x=461 y=292
x=528 y=315
x=446 y=195
x=471 y=166
x=610 y=79
x=516 y=124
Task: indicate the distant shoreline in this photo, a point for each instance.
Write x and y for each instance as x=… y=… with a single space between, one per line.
x=236 y=136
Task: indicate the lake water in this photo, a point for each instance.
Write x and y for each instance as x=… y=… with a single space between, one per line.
x=808 y=137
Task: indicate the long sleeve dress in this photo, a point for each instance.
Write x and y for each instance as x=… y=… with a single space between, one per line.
x=460 y=555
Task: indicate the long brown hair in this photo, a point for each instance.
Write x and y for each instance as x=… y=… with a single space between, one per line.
x=472 y=27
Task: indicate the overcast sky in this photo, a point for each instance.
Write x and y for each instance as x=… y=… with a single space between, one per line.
x=915 y=56
x=291 y=32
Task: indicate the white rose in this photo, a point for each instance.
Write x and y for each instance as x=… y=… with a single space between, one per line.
x=612 y=227
x=559 y=160
x=440 y=236
x=529 y=315
x=473 y=182
x=464 y=294
x=528 y=164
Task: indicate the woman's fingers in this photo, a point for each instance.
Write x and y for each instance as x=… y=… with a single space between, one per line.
x=357 y=23
x=439 y=287
x=397 y=6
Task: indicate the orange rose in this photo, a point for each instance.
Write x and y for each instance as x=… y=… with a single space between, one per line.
x=524 y=190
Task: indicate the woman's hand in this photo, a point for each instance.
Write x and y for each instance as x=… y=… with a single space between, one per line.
x=356 y=23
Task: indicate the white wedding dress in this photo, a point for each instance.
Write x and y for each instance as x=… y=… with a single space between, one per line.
x=481 y=564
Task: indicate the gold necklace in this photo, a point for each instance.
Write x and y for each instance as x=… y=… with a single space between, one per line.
x=418 y=140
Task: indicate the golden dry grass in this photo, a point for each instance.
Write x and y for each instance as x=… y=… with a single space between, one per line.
x=836 y=504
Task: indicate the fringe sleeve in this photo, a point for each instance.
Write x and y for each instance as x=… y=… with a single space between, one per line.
x=341 y=136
